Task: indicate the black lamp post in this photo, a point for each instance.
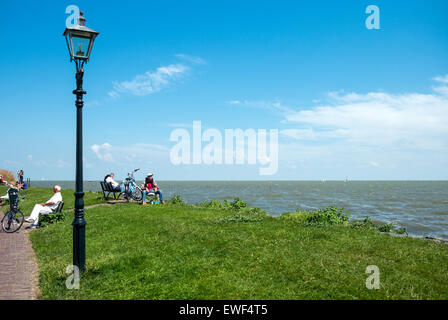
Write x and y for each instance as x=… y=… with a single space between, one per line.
x=79 y=42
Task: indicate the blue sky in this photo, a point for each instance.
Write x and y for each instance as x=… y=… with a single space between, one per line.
x=347 y=101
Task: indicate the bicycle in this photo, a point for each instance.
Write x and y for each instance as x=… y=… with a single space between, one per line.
x=14 y=218
x=131 y=188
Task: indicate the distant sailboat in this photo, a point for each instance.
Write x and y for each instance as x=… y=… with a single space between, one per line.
x=346 y=179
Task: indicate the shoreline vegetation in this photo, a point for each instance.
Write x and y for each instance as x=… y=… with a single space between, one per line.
x=226 y=250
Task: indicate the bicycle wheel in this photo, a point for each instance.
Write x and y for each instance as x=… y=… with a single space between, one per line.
x=12 y=221
x=137 y=194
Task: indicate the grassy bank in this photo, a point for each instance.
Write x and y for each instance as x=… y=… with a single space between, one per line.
x=39 y=195
x=186 y=252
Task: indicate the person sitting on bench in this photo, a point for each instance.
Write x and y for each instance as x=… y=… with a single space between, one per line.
x=151 y=187
x=115 y=185
x=45 y=208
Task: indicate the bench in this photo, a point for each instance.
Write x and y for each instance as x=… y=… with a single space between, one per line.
x=107 y=190
x=58 y=209
x=52 y=216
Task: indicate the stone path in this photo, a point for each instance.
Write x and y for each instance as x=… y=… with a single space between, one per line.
x=19 y=277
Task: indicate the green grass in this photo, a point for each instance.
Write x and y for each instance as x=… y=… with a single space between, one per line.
x=185 y=252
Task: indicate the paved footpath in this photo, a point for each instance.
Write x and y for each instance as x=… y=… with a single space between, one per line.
x=19 y=277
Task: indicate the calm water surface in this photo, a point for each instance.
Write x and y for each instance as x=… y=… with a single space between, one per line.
x=420 y=206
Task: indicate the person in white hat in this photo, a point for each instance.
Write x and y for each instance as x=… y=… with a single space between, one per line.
x=151 y=187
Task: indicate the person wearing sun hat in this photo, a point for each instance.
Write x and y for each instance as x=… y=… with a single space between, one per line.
x=151 y=187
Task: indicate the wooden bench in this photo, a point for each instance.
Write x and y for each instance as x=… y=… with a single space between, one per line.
x=107 y=190
x=58 y=209
x=48 y=216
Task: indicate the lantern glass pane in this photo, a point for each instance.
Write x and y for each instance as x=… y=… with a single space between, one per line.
x=80 y=46
x=69 y=45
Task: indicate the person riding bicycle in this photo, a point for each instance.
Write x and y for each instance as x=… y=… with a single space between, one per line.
x=45 y=208
x=150 y=186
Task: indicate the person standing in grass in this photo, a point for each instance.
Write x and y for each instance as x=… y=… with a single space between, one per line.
x=45 y=208
x=151 y=187
x=20 y=175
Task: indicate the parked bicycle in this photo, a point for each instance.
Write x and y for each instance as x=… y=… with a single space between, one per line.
x=130 y=186
x=13 y=219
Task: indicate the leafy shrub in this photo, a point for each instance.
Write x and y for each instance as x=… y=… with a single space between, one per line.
x=211 y=204
x=238 y=204
x=51 y=218
x=327 y=216
x=176 y=199
x=367 y=224
x=386 y=227
x=256 y=211
x=402 y=230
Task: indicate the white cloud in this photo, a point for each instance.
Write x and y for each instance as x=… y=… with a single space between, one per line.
x=339 y=134
x=150 y=82
x=103 y=152
x=408 y=120
x=113 y=94
x=443 y=79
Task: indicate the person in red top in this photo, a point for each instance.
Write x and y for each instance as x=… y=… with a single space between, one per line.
x=151 y=187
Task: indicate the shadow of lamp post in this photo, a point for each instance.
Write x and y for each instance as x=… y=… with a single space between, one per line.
x=79 y=42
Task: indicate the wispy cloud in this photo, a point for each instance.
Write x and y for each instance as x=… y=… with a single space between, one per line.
x=275 y=106
x=413 y=120
x=154 y=81
x=113 y=94
x=443 y=79
x=190 y=59
x=151 y=81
